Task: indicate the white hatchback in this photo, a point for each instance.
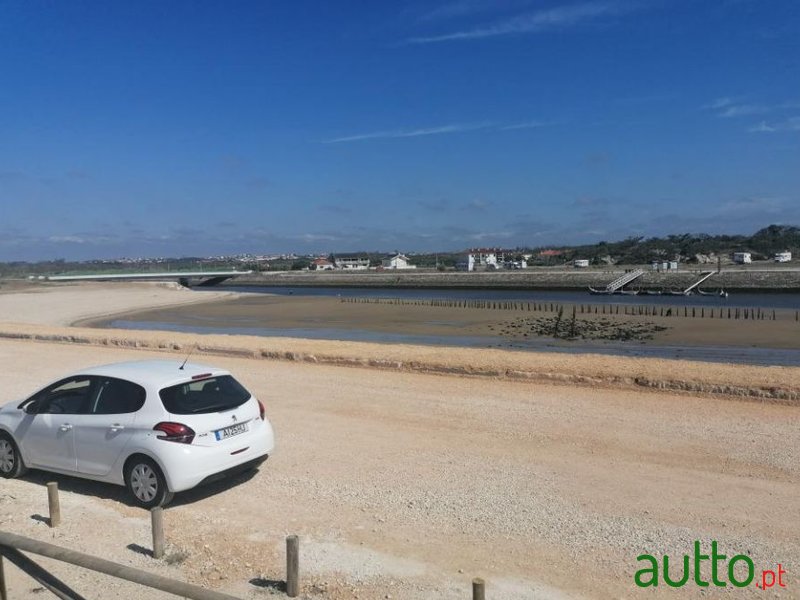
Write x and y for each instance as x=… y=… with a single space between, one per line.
x=157 y=427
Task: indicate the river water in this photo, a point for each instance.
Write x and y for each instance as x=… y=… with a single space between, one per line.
x=718 y=354
x=789 y=301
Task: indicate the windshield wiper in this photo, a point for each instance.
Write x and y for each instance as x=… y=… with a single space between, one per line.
x=214 y=407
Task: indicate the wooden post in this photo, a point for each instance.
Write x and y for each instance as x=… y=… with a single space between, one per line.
x=54 y=506
x=3 y=590
x=478 y=592
x=292 y=566
x=11 y=545
x=40 y=575
x=157 y=520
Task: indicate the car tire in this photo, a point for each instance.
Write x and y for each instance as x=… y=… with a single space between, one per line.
x=146 y=482
x=11 y=464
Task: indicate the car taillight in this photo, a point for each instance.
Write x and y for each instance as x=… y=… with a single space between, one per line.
x=174 y=432
x=262 y=411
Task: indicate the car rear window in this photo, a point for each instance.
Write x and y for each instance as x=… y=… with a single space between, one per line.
x=214 y=394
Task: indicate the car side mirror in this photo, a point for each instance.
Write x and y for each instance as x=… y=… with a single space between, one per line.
x=32 y=407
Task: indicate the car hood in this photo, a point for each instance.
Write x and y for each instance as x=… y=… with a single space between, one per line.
x=10 y=406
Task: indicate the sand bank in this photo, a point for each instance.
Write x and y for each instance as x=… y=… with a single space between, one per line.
x=697 y=326
x=63 y=304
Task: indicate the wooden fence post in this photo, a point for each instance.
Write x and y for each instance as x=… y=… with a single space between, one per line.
x=3 y=590
x=292 y=566
x=53 y=504
x=478 y=592
x=157 y=521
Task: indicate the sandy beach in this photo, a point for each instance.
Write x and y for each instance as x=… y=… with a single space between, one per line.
x=66 y=303
x=408 y=470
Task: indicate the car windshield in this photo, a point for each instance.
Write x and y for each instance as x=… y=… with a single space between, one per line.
x=214 y=394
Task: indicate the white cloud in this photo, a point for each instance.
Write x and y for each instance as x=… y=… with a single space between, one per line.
x=488 y=235
x=762 y=128
x=399 y=133
x=742 y=110
x=444 y=129
x=524 y=125
x=314 y=237
x=478 y=204
x=459 y=8
x=542 y=20
x=719 y=103
x=66 y=239
x=727 y=108
x=790 y=124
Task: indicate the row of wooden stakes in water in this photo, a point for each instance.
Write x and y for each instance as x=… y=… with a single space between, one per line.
x=648 y=310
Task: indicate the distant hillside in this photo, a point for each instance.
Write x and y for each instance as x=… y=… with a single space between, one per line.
x=684 y=247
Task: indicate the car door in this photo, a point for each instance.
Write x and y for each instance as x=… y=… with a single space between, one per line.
x=47 y=435
x=102 y=433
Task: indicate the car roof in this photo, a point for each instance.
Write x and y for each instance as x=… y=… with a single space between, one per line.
x=155 y=373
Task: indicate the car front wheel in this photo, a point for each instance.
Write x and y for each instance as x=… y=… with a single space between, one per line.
x=11 y=464
x=146 y=483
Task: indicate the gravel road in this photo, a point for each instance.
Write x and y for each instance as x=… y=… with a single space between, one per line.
x=407 y=485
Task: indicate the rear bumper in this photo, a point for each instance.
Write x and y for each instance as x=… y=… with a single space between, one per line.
x=187 y=466
x=233 y=471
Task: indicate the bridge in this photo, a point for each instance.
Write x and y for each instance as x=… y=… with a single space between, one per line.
x=703 y=276
x=620 y=282
x=185 y=278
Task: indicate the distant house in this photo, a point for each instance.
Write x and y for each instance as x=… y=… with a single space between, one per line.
x=782 y=257
x=352 y=262
x=664 y=265
x=581 y=263
x=742 y=258
x=465 y=262
x=489 y=259
x=321 y=264
x=398 y=261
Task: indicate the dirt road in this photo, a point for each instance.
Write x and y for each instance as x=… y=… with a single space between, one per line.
x=407 y=485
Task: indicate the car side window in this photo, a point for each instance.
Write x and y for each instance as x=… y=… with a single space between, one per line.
x=68 y=397
x=116 y=396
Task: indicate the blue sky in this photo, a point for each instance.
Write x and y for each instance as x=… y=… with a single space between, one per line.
x=195 y=128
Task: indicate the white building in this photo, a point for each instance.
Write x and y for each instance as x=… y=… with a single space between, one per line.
x=581 y=263
x=352 y=263
x=321 y=264
x=398 y=261
x=783 y=257
x=489 y=259
x=742 y=258
x=466 y=262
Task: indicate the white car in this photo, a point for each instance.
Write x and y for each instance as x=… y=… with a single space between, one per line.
x=157 y=427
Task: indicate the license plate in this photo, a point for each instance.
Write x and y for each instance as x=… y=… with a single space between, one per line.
x=224 y=434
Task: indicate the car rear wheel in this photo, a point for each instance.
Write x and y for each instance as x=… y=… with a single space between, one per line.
x=11 y=464
x=146 y=483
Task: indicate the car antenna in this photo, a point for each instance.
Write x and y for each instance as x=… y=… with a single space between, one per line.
x=187 y=358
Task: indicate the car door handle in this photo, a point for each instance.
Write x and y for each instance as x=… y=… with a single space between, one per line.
x=65 y=427
x=116 y=427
